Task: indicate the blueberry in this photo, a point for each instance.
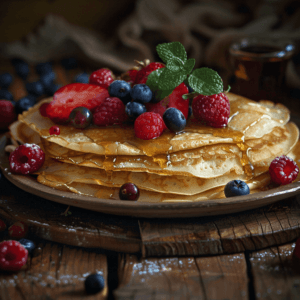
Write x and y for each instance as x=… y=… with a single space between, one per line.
x=47 y=79
x=141 y=93
x=43 y=68
x=82 y=78
x=21 y=68
x=94 y=283
x=69 y=63
x=36 y=88
x=134 y=109
x=51 y=89
x=5 y=80
x=25 y=103
x=174 y=119
x=28 y=244
x=6 y=95
x=236 y=188
x=120 y=89
x=80 y=117
x=129 y=191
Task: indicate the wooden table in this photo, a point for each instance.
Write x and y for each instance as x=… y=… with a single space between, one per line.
x=239 y=256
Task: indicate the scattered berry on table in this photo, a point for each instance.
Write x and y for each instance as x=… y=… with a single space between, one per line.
x=18 y=230
x=149 y=125
x=111 y=111
x=142 y=75
x=129 y=191
x=27 y=158
x=6 y=95
x=21 y=68
x=13 y=256
x=174 y=119
x=80 y=117
x=28 y=245
x=43 y=68
x=7 y=113
x=134 y=109
x=35 y=88
x=47 y=79
x=141 y=93
x=212 y=110
x=54 y=130
x=25 y=103
x=236 y=188
x=69 y=63
x=103 y=77
x=120 y=89
x=94 y=283
x=283 y=170
x=74 y=95
x=2 y=225
x=82 y=78
x=5 y=80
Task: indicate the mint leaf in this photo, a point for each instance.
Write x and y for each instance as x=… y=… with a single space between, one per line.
x=206 y=81
x=167 y=51
x=175 y=64
x=190 y=95
x=189 y=65
x=170 y=80
x=152 y=82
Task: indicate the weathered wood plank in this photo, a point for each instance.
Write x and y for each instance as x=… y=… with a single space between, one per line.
x=274 y=273
x=54 y=272
x=217 y=277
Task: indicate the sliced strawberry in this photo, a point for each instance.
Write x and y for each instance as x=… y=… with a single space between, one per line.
x=173 y=100
x=142 y=75
x=74 y=95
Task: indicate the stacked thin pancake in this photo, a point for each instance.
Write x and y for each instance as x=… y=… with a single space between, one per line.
x=192 y=165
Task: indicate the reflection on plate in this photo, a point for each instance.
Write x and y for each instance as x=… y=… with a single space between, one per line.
x=148 y=210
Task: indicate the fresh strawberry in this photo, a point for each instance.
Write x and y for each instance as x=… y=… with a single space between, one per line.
x=142 y=75
x=74 y=95
x=173 y=100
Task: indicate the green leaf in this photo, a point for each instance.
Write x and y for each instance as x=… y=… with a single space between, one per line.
x=167 y=51
x=206 y=81
x=189 y=65
x=175 y=64
x=170 y=80
x=190 y=95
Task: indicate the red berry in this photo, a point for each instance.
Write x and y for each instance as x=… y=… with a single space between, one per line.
x=212 y=110
x=102 y=77
x=54 y=130
x=142 y=75
x=283 y=170
x=129 y=191
x=18 y=230
x=74 y=95
x=7 y=114
x=2 y=225
x=27 y=158
x=110 y=112
x=13 y=256
x=43 y=109
x=130 y=76
x=149 y=125
x=173 y=100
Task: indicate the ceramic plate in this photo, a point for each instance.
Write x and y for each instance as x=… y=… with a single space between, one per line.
x=148 y=210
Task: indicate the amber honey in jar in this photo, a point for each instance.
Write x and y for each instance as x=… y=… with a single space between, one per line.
x=259 y=67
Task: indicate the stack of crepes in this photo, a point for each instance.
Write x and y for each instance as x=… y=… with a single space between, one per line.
x=192 y=165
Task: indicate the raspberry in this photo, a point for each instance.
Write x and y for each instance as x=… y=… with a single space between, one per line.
x=149 y=125
x=13 y=256
x=212 y=110
x=142 y=75
x=54 y=130
x=283 y=170
x=110 y=112
x=102 y=77
x=18 y=230
x=27 y=158
x=7 y=114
